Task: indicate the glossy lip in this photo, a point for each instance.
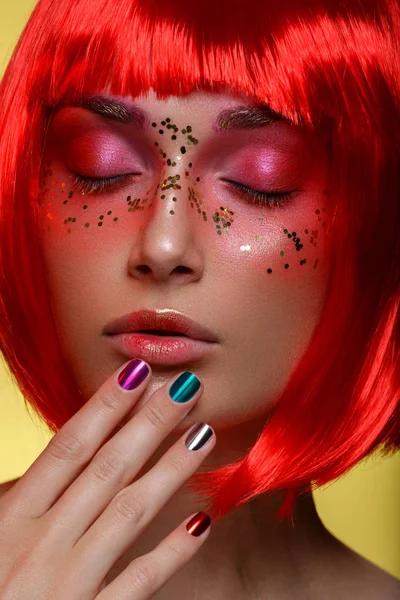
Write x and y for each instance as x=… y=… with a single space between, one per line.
x=162 y=319
x=160 y=350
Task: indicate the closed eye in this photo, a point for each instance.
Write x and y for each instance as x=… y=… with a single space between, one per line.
x=272 y=199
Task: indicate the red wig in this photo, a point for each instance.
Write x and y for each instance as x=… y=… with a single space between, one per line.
x=318 y=63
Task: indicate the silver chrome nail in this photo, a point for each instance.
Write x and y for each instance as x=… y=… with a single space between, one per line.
x=198 y=436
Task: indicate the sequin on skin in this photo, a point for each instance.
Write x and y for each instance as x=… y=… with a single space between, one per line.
x=223 y=217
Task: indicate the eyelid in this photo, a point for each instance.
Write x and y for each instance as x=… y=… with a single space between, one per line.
x=248 y=188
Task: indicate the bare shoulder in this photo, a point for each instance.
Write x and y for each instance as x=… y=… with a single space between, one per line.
x=354 y=577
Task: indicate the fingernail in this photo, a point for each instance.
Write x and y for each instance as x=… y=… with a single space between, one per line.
x=185 y=387
x=198 y=524
x=133 y=374
x=198 y=436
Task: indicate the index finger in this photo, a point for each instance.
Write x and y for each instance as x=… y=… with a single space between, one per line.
x=74 y=445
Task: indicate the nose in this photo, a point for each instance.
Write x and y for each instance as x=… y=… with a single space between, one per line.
x=167 y=248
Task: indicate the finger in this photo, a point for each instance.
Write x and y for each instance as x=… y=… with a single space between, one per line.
x=120 y=459
x=74 y=445
x=144 y=576
x=132 y=509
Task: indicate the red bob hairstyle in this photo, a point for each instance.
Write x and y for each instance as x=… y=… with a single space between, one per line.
x=320 y=63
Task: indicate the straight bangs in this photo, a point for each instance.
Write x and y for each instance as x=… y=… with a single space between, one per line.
x=329 y=67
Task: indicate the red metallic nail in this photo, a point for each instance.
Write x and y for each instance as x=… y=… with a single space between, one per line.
x=198 y=524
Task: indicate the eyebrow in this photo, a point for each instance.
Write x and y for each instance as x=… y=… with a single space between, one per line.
x=240 y=117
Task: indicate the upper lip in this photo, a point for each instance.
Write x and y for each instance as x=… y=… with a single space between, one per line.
x=164 y=319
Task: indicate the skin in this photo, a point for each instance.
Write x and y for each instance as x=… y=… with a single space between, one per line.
x=98 y=272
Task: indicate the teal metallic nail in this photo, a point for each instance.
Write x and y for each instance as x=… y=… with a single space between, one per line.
x=185 y=387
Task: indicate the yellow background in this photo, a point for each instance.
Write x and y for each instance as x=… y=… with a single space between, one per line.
x=362 y=509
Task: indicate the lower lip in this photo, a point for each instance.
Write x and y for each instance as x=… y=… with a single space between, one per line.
x=161 y=350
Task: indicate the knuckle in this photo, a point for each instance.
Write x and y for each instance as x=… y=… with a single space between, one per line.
x=143 y=574
x=67 y=446
x=177 y=551
x=109 y=403
x=128 y=507
x=108 y=466
x=177 y=463
x=155 y=416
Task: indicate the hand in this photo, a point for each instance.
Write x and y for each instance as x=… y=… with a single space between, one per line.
x=75 y=511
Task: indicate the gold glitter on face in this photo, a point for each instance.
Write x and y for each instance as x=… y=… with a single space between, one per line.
x=223 y=220
x=174 y=144
x=297 y=241
x=172 y=181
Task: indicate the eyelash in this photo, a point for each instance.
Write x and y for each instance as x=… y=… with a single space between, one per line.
x=91 y=185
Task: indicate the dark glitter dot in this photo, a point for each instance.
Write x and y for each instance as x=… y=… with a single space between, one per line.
x=169 y=161
x=285 y=231
x=86 y=224
x=183 y=149
x=162 y=122
x=289 y=235
x=109 y=212
x=69 y=218
x=73 y=220
x=174 y=199
x=164 y=155
x=189 y=129
x=317 y=211
x=286 y=266
x=171 y=212
x=129 y=197
x=174 y=164
x=156 y=143
x=101 y=217
x=115 y=218
x=190 y=165
x=65 y=201
x=197 y=178
x=306 y=231
x=293 y=233
x=162 y=197
x=85 y=206
x=160 y=131
x=183 y=130
x=154 y=124
x=168 y=120
x=173 y=137
x=169 y=126
x=70 y=194
x=269 y=270
x=99 y=224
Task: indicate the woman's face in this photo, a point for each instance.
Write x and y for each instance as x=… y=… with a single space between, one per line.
x=180 y=231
